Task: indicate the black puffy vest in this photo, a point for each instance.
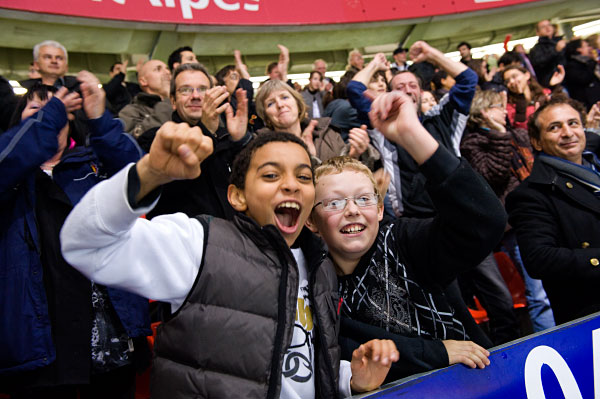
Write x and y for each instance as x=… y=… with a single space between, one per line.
x=231 y=333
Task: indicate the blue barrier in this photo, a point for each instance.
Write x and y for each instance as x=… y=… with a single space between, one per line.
x=563 y=362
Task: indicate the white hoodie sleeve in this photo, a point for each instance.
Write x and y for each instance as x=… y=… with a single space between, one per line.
x=344 y=379
x=107 y=241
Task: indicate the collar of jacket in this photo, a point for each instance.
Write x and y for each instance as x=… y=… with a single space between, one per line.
x=549 y=40
x=546 y=173
x=76 y=155
x=584 y=59
x=148 y=99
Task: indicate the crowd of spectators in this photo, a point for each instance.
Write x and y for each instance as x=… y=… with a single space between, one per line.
x=303 y=280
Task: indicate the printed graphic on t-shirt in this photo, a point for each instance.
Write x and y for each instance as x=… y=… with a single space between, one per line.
x=298 y=361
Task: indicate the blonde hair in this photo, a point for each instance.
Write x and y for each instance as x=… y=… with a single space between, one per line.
x=340 y=164
x=265 y=91
x=483 y=99
x=351 y=54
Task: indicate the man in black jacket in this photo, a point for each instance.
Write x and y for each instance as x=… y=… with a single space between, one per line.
x=547 y=53
x=197 y=103
x=119 y=93
x=555 y=212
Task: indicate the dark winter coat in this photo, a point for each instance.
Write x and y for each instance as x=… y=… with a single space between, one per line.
x=26 y=340
x=544 y=58
x=582 y=80
x=557 y=222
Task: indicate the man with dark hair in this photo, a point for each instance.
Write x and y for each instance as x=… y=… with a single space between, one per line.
x=197 y=103
x=183 y=55
x=119 y=93
x=547 y=53
x=582 y=77
x=464 y=49
x=555 y=211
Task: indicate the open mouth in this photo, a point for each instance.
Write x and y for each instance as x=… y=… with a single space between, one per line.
x=286 y=216
x=353 y=228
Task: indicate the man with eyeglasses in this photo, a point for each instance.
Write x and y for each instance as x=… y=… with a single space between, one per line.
x=196 y=102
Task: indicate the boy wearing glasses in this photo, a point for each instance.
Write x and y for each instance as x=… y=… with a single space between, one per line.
x=392 y=272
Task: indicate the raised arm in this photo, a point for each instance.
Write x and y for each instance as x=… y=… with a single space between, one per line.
x=470 y=219
x=378 y=63
x=394 y=115
x=284 y=61
x=240 y=66
x=421 y=51
x=105 y=239
x=175 y=154
x=114 y=147
x=32 y=142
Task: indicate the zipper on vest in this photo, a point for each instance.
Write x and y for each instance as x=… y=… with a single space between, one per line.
x=275 y=376
x=322 y=343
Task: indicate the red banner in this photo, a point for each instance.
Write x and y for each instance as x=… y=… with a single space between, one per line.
x=255 y=12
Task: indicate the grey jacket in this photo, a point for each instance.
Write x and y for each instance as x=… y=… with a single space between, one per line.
x=145 y=112
x=229 y=338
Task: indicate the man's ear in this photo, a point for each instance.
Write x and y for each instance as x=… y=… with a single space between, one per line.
x=36 y=66
x=237 y=198
x=142 y=81
x=535 y=143
x=310 y=223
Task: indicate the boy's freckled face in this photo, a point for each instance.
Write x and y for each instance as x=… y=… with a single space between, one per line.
x=349 y=233
x=279 y=189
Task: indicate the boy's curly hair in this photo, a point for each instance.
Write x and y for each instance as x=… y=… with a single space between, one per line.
x=243 y=159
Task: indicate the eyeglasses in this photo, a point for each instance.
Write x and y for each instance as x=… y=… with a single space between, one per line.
x=188 y=90
x=339 y=204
